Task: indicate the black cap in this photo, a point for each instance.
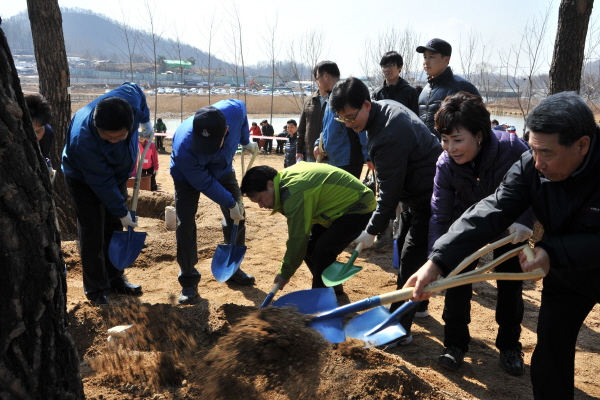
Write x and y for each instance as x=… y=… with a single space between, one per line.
x=208 y=130
x=436 y=46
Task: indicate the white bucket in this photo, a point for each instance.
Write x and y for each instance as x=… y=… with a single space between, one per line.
x=171 y=218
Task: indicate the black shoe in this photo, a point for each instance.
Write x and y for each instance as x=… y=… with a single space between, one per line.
x=241 y=278
x=101 y=300
x=188 y=295
x=512 y=362
x=384 y=238
x=452 y=357
x=120 y=285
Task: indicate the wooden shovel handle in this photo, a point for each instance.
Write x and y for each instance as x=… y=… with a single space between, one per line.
x=481 y=252
x=478 y=275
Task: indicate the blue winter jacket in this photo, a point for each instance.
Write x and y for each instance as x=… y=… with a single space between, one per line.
x=100 y=164
x=203 y=171
x=457 y=187
x=342 y=145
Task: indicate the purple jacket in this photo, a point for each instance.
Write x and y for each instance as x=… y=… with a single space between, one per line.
x=456 y=187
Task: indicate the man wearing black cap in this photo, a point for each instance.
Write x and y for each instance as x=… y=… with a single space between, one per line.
x=201 y=162
x=441 y=82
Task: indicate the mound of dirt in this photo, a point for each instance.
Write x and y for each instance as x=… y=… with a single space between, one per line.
x=268 y=349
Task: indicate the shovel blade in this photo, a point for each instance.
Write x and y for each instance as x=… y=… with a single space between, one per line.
x=125 y=247
x=315 y=301
x=226 y=261
x=311 y=301
x=360 y=327
x=338 y=273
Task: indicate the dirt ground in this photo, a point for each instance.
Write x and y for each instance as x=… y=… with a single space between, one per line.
x=223 y=348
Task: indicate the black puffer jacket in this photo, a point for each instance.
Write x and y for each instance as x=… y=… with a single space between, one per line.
x=402 y=92
x=404 y=153
x=568 y=210
x=436 y=90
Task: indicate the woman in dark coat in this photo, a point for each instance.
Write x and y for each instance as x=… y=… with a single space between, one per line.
x=471 y=167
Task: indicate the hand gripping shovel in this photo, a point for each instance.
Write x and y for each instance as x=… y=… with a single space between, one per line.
x=340 y=272
x=329 y=318
x=228 y=257
x=125 y=247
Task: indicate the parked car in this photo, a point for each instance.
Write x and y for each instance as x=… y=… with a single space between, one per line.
x=200 y=92
x=150 y=93
x=176 y=91
x=264 y=92
x=168 y=90
x=160 y=90
x=193 y=90
x=231 y=91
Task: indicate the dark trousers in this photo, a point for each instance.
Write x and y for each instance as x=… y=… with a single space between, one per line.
x=268 y=147
x=354 y=169
x=509 y=308
x=280 y=146
x=567 y=299
x=413 y=255
x=186 y=205
x=150 y=171
x=325 y=244
x=159 y=142
x=95 y=227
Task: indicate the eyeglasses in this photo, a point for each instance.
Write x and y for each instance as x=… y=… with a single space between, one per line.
x=350 y=120
x=388 y=66
x=319 y=77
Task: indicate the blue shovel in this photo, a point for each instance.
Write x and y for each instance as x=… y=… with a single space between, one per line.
x=125 y=247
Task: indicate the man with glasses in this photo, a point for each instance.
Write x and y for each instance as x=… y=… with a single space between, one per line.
x=394 y=87
x=201 y=162
x=343 y=146
x=404 y=154
x=441 y=82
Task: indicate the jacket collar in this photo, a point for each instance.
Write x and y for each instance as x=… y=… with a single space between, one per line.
x=441 y=77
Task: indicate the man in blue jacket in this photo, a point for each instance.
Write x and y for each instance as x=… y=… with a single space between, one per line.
x=201 y=162
x=99 y=155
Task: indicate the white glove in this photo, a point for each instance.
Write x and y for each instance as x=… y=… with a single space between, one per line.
x=236 y=212
x=523 y=232
x=147 y=129
x=367 y=238
x=126 y=221
x=252 y=146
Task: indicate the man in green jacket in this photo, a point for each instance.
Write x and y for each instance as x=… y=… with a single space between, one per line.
x=326 y=209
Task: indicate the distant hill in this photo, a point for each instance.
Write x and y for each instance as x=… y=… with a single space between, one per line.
x=93 y=36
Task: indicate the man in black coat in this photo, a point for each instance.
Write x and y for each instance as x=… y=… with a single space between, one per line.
x=441 y=81
x=558 y=179
x=404 y=154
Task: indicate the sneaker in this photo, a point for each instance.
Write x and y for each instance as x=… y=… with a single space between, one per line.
x=241 y=278
x=422 y=310
x=403 y=341
x=452 y=357
x=188 y=295
x=512 y=362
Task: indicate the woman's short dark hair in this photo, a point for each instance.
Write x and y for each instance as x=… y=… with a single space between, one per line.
x=564 y=113
x=351 y=92
x=256 y=178
x=39 y=108
x=463 y=110
x=113 y=114
x=392 y=57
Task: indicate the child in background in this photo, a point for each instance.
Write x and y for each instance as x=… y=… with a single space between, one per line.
x=150 y=163
x=289 y=158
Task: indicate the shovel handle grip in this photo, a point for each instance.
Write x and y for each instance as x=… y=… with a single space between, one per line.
x=270 y=296
x=477 y=275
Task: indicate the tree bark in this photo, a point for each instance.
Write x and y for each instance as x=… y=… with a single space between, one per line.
x=38 y=359
x=51 y=57
x=567 y=61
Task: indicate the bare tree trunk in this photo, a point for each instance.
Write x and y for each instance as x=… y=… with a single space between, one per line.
x=573 y=20
x=38 y=358
x=51 y=57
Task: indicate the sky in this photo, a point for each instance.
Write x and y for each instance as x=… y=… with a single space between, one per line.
x=346 y=26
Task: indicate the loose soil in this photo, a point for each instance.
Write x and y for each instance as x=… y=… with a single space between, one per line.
x=223 y=347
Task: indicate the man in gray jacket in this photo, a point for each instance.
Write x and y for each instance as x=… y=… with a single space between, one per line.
x=404 y=154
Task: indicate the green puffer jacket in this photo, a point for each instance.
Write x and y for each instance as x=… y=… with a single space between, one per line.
x=311 y=193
